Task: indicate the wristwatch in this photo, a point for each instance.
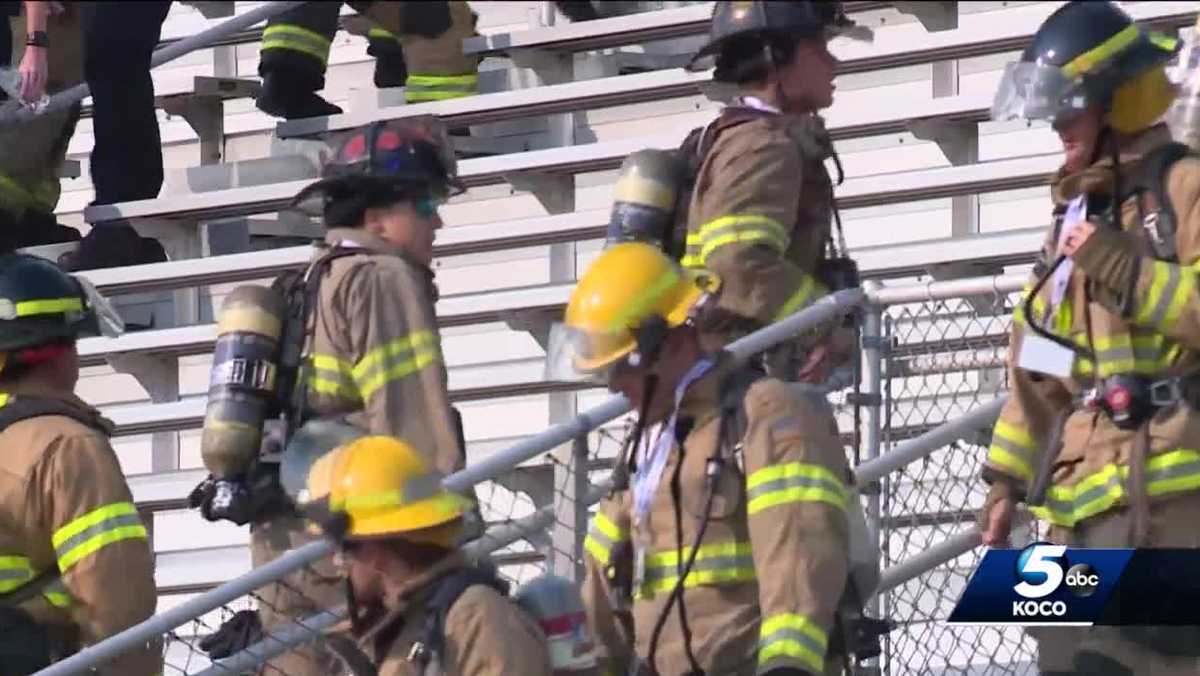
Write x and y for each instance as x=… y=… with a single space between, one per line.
x=37 y=39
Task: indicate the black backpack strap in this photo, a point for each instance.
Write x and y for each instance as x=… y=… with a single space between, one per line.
x=1151 y=177
x=449 y=589
x=23 y=407
x=733 y=402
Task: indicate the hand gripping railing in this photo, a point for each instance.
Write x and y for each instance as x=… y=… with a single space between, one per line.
x=824 y=310
x=237 y=24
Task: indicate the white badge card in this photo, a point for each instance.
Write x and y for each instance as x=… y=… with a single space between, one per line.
x=1045 y=356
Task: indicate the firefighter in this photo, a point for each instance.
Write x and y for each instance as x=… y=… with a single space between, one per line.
x=761 y=208
x=416 y=606
x=724 y=546
x=415 y=45
x=76 y=565
x=35 y=150
x=1098 y=435
x=374 y=355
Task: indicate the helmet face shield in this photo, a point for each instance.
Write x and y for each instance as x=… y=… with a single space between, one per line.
x=313 y=441
x=575 y=355
x=107 y=320
x=1033 y=91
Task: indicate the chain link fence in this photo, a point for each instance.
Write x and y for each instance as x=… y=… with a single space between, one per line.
x=941 y=358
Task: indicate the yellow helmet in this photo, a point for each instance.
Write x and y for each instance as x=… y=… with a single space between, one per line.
x=379 y=486
x=626 y=285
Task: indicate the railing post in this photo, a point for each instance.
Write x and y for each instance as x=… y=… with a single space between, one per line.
x=570 y=509
x=871 y=399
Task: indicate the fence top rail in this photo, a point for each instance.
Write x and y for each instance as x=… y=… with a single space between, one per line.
x=881 y=295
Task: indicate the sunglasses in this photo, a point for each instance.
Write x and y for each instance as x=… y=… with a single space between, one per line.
x=427 y=207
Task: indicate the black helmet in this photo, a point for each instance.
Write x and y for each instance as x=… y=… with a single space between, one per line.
x=386 y=161
x=797 y=19
x=1081 y=55
x=40 y=304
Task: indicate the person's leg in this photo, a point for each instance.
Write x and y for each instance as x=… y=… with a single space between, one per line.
x=126 y=161
x=295 y=53
x=118 y=40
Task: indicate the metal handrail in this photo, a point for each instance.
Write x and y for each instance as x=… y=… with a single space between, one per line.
x=68 y=97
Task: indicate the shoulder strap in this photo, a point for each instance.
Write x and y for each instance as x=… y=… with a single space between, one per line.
x=695 y=147
x=449 y=589
x=733 y=400
x=1151 y=177
x=21 y=408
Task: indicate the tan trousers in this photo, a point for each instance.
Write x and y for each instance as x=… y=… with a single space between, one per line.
x=304 y=593
x=1111 y=651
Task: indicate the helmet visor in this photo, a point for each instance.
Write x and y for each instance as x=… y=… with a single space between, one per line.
x=1033 y=91
x=576 y=355
x=309 y=444
x=108 y=320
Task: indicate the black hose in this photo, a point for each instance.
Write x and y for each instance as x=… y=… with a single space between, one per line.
x=1032 y=321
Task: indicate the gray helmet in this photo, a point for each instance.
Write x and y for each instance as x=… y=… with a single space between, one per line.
x=799 y=19
x=41 y=304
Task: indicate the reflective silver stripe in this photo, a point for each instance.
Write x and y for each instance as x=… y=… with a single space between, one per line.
x=90 y=532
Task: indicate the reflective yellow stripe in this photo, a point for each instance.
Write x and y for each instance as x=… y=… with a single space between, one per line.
x=57 y=594
x=1170 y=288
x=1088 y=60
x=15 y=571
x=331 y=376
x=603 y=535
x=396 y=360
x=440 y=87
x=741 y=229
x=48 y=306
x=95 y=530
x=808 y=291
x=691 y=255
x=793 y=482
x=377 y=33
x=3 y=395
x=18 y=198
x=795 y=638
x=720 y=563
x=1167 y=473
x=637 y=308
x=298 y=39
x=1011 y=450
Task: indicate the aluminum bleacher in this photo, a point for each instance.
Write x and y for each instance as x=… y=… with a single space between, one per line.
x=498 y=230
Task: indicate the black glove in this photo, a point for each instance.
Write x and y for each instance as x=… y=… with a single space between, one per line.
x=234 y=635
x=24 y=646
x=257 y=497
x=788 y=671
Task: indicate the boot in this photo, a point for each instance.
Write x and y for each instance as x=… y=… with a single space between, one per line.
x=112 y=246
x=390 y=68
x=33 y=229
x=282 y=96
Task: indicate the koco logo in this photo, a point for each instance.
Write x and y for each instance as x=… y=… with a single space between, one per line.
x=1041 y=569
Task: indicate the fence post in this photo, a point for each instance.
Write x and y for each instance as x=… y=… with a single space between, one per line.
x=570 y=509
x=871 y=398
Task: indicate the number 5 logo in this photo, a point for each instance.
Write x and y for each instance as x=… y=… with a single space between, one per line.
x=1039 y=559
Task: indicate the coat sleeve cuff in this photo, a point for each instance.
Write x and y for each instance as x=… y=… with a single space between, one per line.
x=1002 y=484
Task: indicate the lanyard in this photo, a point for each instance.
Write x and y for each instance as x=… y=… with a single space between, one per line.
x=1076 y=213
x=654 y=456
x=757 y=104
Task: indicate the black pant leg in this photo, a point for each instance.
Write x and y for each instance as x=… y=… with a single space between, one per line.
x=118 y=41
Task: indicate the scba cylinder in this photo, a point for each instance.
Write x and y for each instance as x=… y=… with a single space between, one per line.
x=556 y=605
x=644 y=197
x=242 y=387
